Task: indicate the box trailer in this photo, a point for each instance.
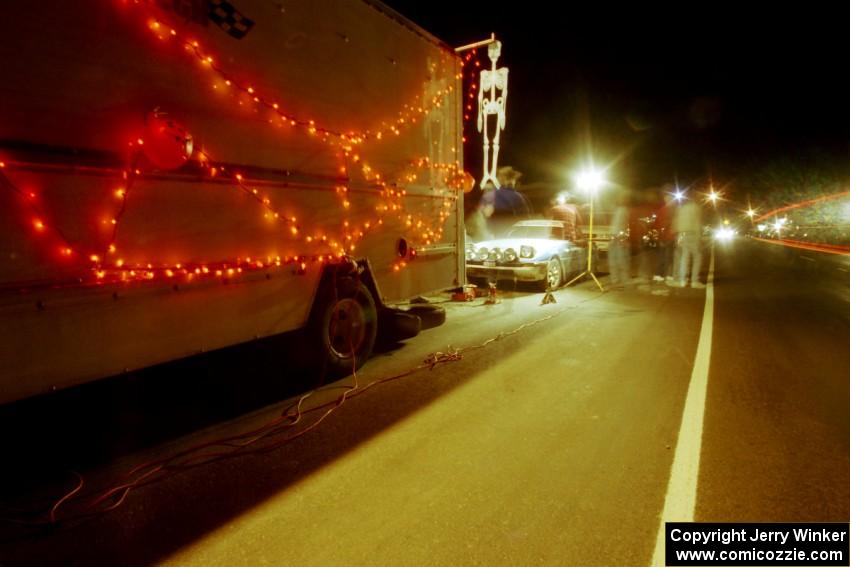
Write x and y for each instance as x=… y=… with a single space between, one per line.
x=183 y=175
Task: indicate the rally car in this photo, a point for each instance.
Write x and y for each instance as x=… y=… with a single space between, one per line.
x=532 y=251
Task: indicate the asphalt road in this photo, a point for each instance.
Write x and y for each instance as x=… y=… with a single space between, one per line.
x=552 y=445
x=777 y=436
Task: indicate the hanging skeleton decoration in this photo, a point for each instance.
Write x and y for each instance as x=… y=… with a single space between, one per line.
x=496 y=82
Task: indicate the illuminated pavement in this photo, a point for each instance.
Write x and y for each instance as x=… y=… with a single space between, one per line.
x=550 y=446
x=777 y=437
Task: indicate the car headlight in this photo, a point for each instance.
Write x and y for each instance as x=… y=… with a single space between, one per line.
x=510 y=255
x=526 y=252
x=470 y=254
x=481 y=254
x=495 y=255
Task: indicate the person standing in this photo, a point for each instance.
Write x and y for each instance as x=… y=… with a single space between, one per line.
x=687 y=226
x=666 y=243
x=619 y=248
x=565 y=211
x=642 y=234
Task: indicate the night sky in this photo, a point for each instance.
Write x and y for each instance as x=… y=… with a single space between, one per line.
x=686 y=93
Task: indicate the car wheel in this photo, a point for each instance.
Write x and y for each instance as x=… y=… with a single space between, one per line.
x=344 y=326
x=554 y=275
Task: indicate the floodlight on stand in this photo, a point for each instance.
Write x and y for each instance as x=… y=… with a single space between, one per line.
x=589 y=181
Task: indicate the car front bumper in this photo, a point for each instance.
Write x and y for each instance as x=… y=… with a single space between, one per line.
x=523 y=273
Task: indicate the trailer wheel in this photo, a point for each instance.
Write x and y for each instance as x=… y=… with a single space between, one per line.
x=344 y=326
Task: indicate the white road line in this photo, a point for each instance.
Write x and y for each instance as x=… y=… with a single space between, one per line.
x=680 y=501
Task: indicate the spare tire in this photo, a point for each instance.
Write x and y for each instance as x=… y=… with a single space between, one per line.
x=431 y=315
x=395 y=325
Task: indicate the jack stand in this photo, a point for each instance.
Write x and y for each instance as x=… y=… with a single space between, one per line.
x=464 y=293
x=548 y=297
x=491 y=296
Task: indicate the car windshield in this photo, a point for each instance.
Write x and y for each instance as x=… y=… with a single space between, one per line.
x=535 y=232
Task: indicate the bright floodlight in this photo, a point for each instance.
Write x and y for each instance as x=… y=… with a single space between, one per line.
x=679 y=195
x=590 y=180
x=724 y=234
x=713 y=196
x=751 y=213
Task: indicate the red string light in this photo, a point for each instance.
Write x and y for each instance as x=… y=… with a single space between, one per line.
x=406 y=118
x=107 y=266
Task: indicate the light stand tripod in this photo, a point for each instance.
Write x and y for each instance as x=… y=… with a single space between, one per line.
x=589 y=269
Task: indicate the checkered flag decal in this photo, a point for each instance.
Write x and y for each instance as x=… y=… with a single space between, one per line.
x=228 y=18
